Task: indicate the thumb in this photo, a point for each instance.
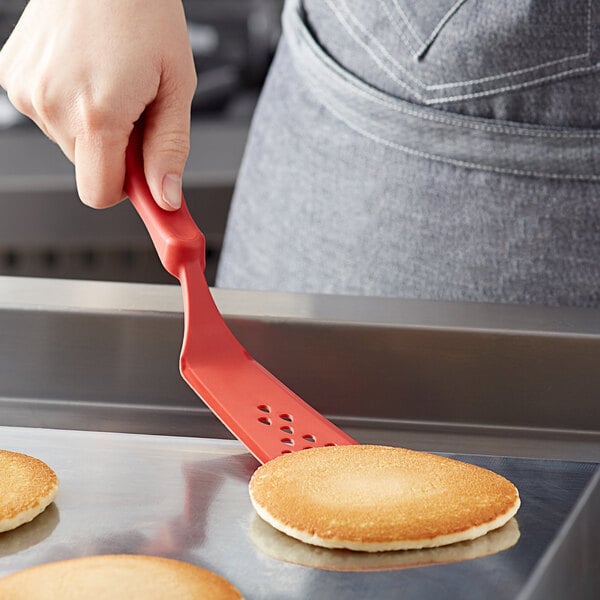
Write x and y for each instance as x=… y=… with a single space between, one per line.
x=166 y=147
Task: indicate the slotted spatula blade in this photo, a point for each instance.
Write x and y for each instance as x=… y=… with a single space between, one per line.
x=265 y=415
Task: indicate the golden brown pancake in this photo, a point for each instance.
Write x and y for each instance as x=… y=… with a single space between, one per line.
x=117 y=577
x=27 y=487
x=379 y=498
x=282 y=547
x=29 y=534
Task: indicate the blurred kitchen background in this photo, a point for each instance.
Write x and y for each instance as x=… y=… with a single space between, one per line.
x=45 y=231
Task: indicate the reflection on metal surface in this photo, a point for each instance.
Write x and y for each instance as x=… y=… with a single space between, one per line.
x=279 y=546
x=29 y=534
x=187 y=498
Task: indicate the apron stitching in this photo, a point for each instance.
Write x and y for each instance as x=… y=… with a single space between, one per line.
x=459 y=162
x=516 y=86
x=407 y=21
x=375 y=96
x=342 y=19
x=440 y=86
x=438 y=27
x=521 y=131
x=398 y=27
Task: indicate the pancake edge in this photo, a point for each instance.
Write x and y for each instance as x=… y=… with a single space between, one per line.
x=440 y=540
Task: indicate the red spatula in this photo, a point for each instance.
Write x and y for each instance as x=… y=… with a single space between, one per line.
x=266 y=416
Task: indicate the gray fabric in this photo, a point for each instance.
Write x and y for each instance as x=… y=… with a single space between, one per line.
x=475 y=57
x=358 y=182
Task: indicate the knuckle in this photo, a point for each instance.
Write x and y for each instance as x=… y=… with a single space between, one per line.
x=19 y=93
x=95 y=109
x=94 y=116
x=19 y=98
x=44 y=99
x=191 y=83
x=175 y=144
x=179 y=86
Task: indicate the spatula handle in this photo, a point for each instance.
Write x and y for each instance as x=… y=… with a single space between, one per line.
x=176 y=237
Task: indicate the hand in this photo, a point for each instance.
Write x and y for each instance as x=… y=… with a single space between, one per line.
x=86 y=70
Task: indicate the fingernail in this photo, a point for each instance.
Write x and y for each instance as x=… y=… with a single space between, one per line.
x=171 y=190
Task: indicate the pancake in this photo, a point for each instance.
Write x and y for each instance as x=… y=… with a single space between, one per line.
x=117 y=577
x=27 y=487
x=379 y=498
x=282 y=547
x=30 y=534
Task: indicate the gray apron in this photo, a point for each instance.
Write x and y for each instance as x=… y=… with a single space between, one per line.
x=425 y=149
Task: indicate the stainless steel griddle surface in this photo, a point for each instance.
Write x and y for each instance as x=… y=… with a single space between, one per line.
x=187 y=498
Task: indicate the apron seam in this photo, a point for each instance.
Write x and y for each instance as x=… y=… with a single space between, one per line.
x=456 y=161
x=392 y=103
x=413 y=84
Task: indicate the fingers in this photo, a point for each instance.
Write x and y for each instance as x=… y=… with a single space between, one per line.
x=99 y=159
x=167 y=142
x=89 y=135
x=86 y=88
x=166 y=147
x=98 y=151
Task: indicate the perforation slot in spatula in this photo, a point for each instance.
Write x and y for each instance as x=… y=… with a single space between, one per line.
x=266 y=416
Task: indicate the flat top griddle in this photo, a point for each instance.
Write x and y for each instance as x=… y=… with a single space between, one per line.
x=485 y=381
x=187 y=498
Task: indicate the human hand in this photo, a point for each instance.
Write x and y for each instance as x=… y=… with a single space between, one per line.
x=86 y=71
